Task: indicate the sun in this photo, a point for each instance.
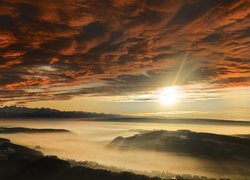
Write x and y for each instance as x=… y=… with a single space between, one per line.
x=169 y=96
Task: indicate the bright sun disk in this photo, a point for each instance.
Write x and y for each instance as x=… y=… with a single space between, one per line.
x=169 y=96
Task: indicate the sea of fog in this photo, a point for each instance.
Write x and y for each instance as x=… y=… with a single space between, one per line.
x=89 y=141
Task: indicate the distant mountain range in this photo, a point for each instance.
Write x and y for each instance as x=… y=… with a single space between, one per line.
x=9 y=112
x=24 y=112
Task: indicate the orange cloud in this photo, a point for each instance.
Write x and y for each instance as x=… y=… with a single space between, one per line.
x=122 y=43
x=9 y=64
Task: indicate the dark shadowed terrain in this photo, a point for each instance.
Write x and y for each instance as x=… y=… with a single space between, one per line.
x=22 y=163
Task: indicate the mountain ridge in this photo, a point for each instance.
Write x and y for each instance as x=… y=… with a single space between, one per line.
x=9 y=112
x=25 y=112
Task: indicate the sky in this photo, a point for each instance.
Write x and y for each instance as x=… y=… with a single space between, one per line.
x=127 y=56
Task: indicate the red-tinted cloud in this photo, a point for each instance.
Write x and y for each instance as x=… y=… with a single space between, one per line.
x=128 y=46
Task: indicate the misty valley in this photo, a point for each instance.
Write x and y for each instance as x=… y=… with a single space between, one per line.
x=149 y=150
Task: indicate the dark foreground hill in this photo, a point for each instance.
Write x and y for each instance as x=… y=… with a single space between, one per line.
x=22 y=163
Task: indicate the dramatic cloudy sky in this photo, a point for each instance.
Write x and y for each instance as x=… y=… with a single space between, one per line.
x=115 y=56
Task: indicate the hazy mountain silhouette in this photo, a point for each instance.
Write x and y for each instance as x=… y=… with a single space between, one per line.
x=9 y=112
x=187 y=142
x=23 y=112
x=5 y=130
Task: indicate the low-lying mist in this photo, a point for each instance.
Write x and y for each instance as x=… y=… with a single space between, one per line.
x=89 y=142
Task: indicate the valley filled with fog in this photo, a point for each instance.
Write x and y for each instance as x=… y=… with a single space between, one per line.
x=90 y=141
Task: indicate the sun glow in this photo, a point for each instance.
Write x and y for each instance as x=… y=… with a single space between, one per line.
x=169 y=96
